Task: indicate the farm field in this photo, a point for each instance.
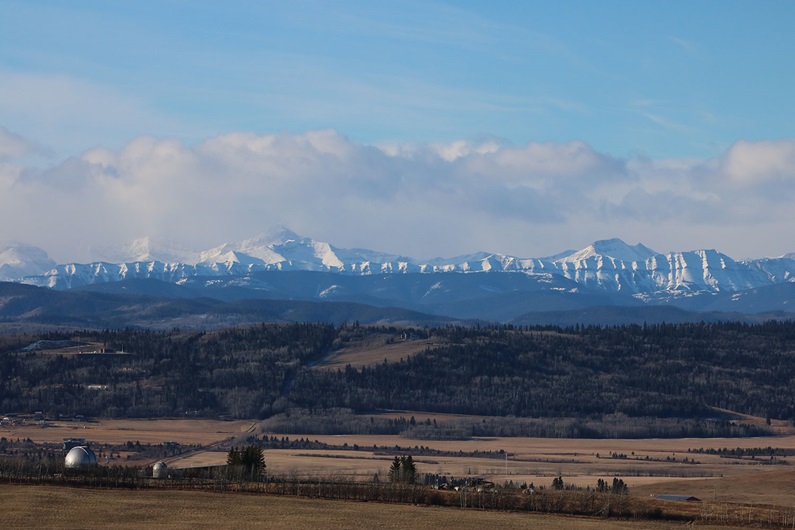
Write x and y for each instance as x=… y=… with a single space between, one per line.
x=62 y=507
x=648 y=466
x=373 y=349
x=539 y=460
x=109 y=431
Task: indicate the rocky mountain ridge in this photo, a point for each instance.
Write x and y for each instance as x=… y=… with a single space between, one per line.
x=610 y=266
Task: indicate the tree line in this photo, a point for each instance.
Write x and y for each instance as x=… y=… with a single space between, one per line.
x=572 y=378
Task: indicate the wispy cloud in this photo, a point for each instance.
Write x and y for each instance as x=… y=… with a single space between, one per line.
x=70 y=112
x=684 y=44
x=667 y=123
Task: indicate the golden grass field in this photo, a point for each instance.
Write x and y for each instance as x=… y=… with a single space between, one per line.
x=373 y=349
x=539 y=460
x=28 y=507
x=536 y=460
x=109 y=431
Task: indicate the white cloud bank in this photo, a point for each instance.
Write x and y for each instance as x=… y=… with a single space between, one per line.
x=421 y=200
x=751 y=163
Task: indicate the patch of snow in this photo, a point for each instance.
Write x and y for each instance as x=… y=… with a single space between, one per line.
x=325 y=292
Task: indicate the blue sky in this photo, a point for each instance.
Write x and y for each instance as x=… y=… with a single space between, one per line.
x=685 y=104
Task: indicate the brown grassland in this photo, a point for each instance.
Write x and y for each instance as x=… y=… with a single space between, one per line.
x=539 y=460
x=651 y=466
x=110 y=431
x=65 y=507
x=373 y=349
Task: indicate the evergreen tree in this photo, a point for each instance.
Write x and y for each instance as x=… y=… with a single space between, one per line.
x=408 y=471
x=394 y=470
x=248 y=462
x=233 y=458
x=403 y=470
x=619 y=487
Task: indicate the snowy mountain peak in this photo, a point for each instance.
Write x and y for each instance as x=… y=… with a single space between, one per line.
x=18 y=260
x=232 y=251
x=141 y=249
x=612 y=248
x=274 y=246
x=276 y=235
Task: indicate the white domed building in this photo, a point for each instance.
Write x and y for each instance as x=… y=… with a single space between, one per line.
x=160 y=470
x=80 y=457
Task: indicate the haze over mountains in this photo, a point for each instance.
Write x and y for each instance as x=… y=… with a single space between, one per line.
x=281 y=265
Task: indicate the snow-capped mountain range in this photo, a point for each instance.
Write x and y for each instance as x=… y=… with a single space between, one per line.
x=609 y=266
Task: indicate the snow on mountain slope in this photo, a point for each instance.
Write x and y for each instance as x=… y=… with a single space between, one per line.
x=283 y=249
x=704 y=270
x=468 y=263
x=487 y=262
x=616 y=266
x=18 y=260
x=257 y=247
x=613 y=249
x=363 y=261
x=777 y=269
x=607 y=265
x=73 y=275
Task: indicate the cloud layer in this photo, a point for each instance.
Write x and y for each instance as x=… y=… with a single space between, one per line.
x=421 y=200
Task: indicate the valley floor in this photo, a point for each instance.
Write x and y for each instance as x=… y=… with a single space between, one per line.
x=29 y=507
x=648 y=466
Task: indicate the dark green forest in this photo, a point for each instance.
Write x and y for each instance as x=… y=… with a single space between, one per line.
x=657 y=371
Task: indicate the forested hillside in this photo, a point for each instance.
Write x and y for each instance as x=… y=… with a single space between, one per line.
x=662 y=371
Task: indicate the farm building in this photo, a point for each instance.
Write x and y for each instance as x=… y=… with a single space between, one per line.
x=678 y=498
x=69 y=443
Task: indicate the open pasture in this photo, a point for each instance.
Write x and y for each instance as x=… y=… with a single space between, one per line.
x=63 y=507
x=373 y=349
x=649 y=467
x=771 y=487
x=109 y=431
